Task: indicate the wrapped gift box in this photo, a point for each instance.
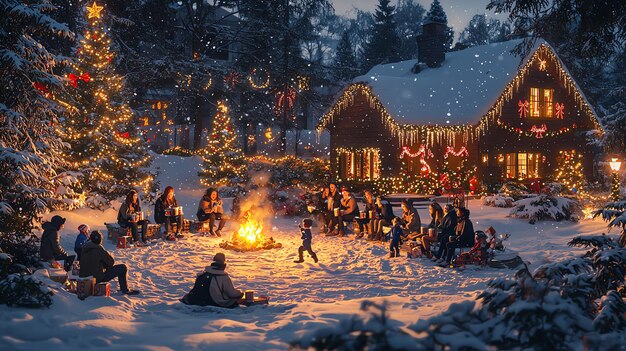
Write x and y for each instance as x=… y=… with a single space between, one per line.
x=123 y=242
x=102 y=289
x=58 y=275
x=85 y=287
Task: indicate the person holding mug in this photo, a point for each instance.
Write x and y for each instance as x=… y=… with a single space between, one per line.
x=168 y=201
x=211 y=209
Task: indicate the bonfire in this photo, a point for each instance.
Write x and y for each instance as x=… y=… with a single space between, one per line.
x=249 y=237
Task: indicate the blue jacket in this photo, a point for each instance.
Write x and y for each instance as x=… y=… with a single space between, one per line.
x=396 y=233
x=306 y=234
x=78 y=244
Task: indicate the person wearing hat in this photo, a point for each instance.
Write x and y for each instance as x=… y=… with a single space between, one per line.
x=213 y=287
x=51 y=250
x=81 y=239
x=97 y=262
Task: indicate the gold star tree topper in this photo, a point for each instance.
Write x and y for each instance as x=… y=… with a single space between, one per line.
x=94 y=11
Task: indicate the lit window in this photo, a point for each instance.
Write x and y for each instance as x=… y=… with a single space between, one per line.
x=510 y=166
x=358 y=164
x=522 y=165
x=541 y=102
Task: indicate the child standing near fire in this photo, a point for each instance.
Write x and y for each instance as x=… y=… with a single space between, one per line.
x=305 y=230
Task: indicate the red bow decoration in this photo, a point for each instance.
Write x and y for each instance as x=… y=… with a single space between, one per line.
x=285 y=100
x=523 y=108
x=560 y=110
x=124 y=135
x=74 y=78
x=41 y=88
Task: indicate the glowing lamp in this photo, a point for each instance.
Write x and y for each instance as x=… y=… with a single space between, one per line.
x=615 y=164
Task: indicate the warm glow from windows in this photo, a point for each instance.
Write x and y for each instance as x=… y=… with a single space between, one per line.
x=541 y=103
x=358 y=164
x=522 y=165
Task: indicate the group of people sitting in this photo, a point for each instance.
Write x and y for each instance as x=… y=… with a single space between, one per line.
x=210 y=209
x=212 y=287
x=335 y=208
x=452 y=227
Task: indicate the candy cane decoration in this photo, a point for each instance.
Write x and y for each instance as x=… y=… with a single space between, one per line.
x=422 y=153
x=450 y=150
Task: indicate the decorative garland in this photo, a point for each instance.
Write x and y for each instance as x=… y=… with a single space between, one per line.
x=411 y=134
x=255 y=85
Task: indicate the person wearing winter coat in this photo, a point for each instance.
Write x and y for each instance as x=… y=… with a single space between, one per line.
x=127 y=210
x=333 y=202
x=211 y=209
x=384 y=212
x=83 y=231
x=410 y=220
x=464 y=235
x=366 y=225
x=306 y=236
x=166 y=201
x=436 y=215
x=396 y=237
x=447 y=229
x=319 y=203
x=50 y=249
x=347 y=212
x=98 y=263
x=213 y=287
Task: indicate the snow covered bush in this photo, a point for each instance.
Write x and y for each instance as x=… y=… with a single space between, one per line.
x=545 y=207
x=371 y=332
x=615 y=214
x=24 y=291
x=291 y=171
x=514 y=189
x=569 y=305
x=498 y=200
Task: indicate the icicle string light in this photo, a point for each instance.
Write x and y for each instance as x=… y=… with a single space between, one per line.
x=436 y=134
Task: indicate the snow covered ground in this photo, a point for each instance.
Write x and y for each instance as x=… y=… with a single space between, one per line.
x=304 y=297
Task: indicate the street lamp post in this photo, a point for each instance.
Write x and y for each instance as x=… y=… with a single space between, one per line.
x=615 y=186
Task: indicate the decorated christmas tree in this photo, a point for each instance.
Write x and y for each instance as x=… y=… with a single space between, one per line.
x=224 y=163
x=570 y=170
x=105 y=150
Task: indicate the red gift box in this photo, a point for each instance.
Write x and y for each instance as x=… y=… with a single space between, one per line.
x=102 y=289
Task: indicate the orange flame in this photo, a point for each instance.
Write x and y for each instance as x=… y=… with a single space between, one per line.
x=249 y=231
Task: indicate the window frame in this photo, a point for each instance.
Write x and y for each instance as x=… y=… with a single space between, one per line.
x=541 y=103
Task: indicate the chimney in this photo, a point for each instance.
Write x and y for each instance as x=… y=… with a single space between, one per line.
x=431 y=47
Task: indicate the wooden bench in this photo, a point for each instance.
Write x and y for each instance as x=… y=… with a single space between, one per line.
x=114 y=231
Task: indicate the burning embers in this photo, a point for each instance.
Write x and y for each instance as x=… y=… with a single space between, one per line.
x=249 y=236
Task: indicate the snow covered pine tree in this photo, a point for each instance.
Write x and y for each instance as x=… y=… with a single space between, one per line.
x=104 y=147
x=29 y=143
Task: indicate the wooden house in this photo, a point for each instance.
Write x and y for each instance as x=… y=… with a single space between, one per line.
x=508 y=117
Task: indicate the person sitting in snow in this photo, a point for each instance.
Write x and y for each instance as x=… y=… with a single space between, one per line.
x=347 y=212
x=410 y=220
x=210 y=209
x=305 y=230
x=83 y=232
x=128 y=209
x=384 y=212
x=98 y=263
x=366 y=225
x=213 y=287
x=447 y=230
x=464 y=235
x=396 y=237
x=319 y=206
x=166 y=201
x=50 y=249
x=333 y=202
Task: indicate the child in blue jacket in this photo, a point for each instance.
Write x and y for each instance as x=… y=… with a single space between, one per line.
x=83 y=233
x=305 y=230
x=396 y=234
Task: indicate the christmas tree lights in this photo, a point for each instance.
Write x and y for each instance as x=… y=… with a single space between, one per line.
x=570 y=170
x=103 y=141
x=223 y=159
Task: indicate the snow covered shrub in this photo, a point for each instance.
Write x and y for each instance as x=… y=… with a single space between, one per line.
x=615 y=214
x=291 y=171
x=544 y=207
x=569 y=305
x=24 y=291
x=498 y=200
x=515 y=190
x=372 y=332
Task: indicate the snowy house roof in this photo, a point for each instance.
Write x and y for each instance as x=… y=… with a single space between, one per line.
x=461 y=91
x=468 y=87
